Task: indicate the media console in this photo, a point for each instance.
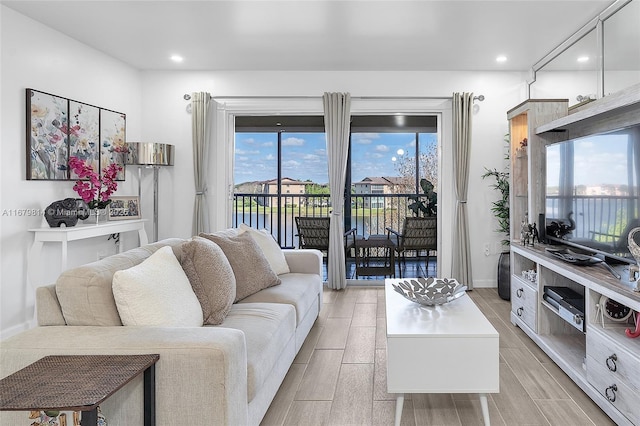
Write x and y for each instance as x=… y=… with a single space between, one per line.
x=600 y=355
x=602 y=360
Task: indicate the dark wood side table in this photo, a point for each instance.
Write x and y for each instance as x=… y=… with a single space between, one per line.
x=78 y=383
x=375 y=256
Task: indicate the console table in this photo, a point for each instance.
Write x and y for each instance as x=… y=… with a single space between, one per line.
x=78 y=383
x=81 y=232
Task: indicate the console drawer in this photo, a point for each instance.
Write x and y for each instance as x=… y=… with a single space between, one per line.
x=622 y=365
x=524 y=302
x=623 y=398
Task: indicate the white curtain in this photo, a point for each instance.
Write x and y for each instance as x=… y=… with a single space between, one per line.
x=200 y=134
x=462 y=109
x=337 y=117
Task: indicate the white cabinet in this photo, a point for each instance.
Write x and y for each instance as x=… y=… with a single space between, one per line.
x=602 y=360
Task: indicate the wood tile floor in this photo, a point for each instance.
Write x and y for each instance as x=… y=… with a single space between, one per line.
x=339 y=375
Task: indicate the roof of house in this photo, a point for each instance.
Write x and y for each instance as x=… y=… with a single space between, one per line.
x=380 y=180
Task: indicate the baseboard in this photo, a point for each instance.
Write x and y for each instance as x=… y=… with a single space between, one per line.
x=485 y=284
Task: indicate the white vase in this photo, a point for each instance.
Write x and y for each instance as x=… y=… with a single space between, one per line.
x=97 y=216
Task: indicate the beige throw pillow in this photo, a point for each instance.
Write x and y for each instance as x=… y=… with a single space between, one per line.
x=249 y=264
x=211 y=278
x=270 y=248
x=156 y=292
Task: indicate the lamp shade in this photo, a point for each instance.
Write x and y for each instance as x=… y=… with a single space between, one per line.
x=150 y=154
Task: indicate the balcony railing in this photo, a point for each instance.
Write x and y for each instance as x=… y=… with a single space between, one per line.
x=369 y=214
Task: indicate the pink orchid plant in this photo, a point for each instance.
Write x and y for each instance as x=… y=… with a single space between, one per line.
x=93 y=190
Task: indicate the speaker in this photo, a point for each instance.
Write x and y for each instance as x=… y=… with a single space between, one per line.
x=542 y=228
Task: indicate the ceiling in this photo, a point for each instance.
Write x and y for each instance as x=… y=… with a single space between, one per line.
x=308 y=35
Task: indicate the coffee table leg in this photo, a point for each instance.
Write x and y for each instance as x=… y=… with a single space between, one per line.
x=485 y=409
x=399 y=404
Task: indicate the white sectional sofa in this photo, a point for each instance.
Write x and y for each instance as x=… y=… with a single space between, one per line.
x=224 y=374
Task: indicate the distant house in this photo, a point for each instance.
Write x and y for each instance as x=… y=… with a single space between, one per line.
x=378 y=185
x=291 y=191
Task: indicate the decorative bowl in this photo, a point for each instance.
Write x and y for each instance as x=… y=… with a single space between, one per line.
x=430 y=291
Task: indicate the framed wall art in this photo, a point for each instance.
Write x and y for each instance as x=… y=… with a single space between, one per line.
x=47 y=136
x=59 y=128
x=84 y=134
x=121 y=208
x=113 y=146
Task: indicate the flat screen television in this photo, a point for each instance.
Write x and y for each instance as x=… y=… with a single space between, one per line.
x=592 y=192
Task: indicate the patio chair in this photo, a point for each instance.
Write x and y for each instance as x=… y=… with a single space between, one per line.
x=419 y=234
x=313 y=233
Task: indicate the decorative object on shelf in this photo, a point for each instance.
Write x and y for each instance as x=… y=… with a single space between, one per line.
x=95 y=191
x=528 y=233
x=634 y=248
x=557 y=228
x=613 y=310
x=530 y=275
x=48 y=418
x=124 y=208
x=59 y=128
x=62 y=212
x=521 y=151
x=150 y=155
x=430 y=291
x=634 y=333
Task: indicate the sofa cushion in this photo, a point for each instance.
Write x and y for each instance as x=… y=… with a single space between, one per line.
x=268 y=328
x=156 y=292
x=269 y=247
x=250 y=266
x=211 y=278
x=85 y=293
x=299 y=290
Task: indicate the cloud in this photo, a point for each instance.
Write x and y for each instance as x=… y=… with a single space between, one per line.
x=376 y=155
x=249 y=141
x=268 y=143
x=364 y=138
x=247 y=152
x=311 y=157
x=382 y=148
x=270 y=157
x=290 y=164
x=292 y=142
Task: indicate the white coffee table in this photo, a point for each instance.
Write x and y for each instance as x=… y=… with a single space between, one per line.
x=450 y=348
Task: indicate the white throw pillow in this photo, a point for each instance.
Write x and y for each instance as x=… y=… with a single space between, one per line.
x=270 y=248
x=156 y=292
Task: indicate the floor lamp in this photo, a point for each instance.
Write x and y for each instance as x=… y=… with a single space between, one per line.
x=147 y=155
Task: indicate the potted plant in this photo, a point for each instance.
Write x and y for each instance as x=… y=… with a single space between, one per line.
x=500 y=210
x=425 y=204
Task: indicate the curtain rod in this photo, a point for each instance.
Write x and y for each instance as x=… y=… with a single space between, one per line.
x=480 y=98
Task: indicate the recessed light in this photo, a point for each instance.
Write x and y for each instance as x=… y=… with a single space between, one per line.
x=583 y=59
x=501 y=58
x=177 y=58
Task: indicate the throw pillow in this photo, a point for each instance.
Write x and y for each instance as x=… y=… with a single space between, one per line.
x=249 y=264
x=211 y=278
x=156 y=292
x=270 y=248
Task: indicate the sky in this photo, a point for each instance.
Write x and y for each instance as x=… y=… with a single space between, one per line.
x=305 y=157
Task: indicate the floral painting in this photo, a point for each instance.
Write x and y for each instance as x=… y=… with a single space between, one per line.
x=47 y=122
x=113 y=146
x=84 y=135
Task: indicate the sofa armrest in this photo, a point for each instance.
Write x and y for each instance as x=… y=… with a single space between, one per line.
x=201 y=373
x=304 y=261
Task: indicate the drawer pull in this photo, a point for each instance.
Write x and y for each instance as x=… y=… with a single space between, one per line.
x=519 y=292
x=610 y=393
x=519 y=311
x=611 y=362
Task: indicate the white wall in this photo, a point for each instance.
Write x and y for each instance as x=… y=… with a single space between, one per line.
x=34 y=56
